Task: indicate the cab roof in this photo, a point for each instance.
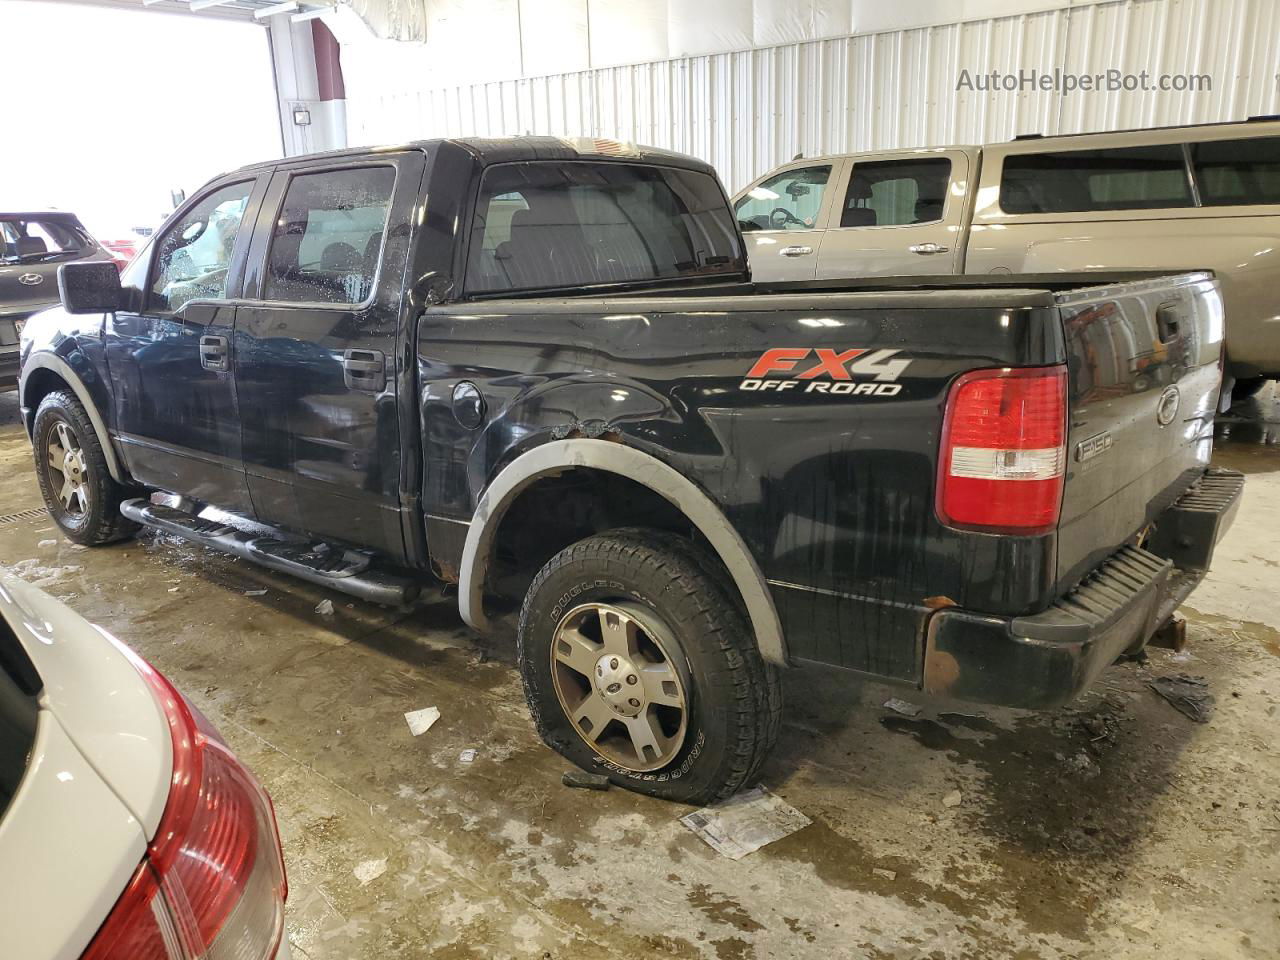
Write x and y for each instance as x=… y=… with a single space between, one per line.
x=488 y=150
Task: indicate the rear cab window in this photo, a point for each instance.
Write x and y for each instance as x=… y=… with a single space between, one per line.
x=541 y=226
x=791 y=200
x=1086 y=181
x=327 y=239
x=894 y=193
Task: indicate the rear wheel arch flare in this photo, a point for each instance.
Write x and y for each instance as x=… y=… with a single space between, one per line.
x=612 y=457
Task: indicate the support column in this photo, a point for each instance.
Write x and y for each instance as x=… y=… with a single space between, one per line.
x=309 y=86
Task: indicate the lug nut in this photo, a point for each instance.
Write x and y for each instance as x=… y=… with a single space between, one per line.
x=613 y=664
x=634 y=702
x=632 y=679
x=615 y=687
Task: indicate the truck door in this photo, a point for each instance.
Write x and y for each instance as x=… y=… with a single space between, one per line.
x=316 y=349
x=782 y=217
x=901 y=215
x=170 y=362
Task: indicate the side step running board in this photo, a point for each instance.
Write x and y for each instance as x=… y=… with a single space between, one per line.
x=350 y=571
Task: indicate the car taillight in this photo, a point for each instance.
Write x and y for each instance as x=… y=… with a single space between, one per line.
x=212 y=884
x=1003 y=455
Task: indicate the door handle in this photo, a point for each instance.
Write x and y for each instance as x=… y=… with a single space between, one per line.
x=927 y=249
x=796 y=251
x=213 y=353
x=364 y=369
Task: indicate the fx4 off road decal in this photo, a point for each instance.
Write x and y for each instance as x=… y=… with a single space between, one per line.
x=858 y=373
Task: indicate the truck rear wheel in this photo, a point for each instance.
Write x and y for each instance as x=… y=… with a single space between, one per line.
x=638 y=664
x=79 y=493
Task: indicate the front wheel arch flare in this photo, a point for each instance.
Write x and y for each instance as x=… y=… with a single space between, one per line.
x=612 y=457
x=61 y=370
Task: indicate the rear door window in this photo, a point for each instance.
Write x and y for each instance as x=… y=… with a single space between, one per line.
x=1234 y=173
x=893 y=193
x=327 y=240
x=790 y=200
x=1083 y=181
x=555 y=225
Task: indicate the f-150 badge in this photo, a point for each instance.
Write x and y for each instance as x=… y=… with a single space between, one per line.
x=855 y=372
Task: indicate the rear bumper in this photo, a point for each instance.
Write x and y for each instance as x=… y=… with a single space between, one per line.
x=1047 y=659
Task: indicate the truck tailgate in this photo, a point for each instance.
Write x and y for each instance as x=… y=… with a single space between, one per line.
x=1143 y=365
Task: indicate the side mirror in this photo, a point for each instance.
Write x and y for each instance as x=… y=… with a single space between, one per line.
x=91 y=287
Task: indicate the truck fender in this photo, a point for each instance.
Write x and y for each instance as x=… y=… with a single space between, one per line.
x=558 y=455
x=54 y=363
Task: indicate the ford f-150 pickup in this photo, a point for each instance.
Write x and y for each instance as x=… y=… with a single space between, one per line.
x=537 y=372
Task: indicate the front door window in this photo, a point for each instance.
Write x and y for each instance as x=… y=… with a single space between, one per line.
x=194 y=255
x=791 y=200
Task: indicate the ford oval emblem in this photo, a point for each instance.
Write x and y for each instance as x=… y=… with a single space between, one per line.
x=31 y=279
x=1167 y=409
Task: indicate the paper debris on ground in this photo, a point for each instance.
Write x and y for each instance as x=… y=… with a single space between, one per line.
x=953 y=799
x=745 y=823
x=325 y=607
x=370 y=870
x=420 y=721
x=173 y=589
x=904 y=707
x=47 y=543
x=885 y=874
x=467 y=756
x=38 y=575
x=1187 y=695
x=255 y=593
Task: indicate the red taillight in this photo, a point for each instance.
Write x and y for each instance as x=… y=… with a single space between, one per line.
x=212 y=884
x=1003 y=456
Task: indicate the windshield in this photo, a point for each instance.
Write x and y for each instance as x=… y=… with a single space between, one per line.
x=37 y=239
x=556 y=225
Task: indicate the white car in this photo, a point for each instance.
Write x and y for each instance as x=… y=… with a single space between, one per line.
x=128 y=829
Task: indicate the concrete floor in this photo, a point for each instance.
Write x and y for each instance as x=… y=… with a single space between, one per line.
x=1113 y=828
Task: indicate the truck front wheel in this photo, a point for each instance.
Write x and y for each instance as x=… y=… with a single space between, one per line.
x=72 y=472
x=638 y=664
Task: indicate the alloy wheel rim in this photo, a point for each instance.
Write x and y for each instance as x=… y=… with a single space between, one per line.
x=618 y=685
x=67 y=470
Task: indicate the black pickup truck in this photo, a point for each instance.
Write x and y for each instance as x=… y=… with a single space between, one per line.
x=536 y=371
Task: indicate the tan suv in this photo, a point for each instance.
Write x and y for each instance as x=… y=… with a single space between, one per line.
x=1172 y=198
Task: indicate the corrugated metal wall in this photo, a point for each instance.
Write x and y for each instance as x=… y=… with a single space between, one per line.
x=746 y=112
